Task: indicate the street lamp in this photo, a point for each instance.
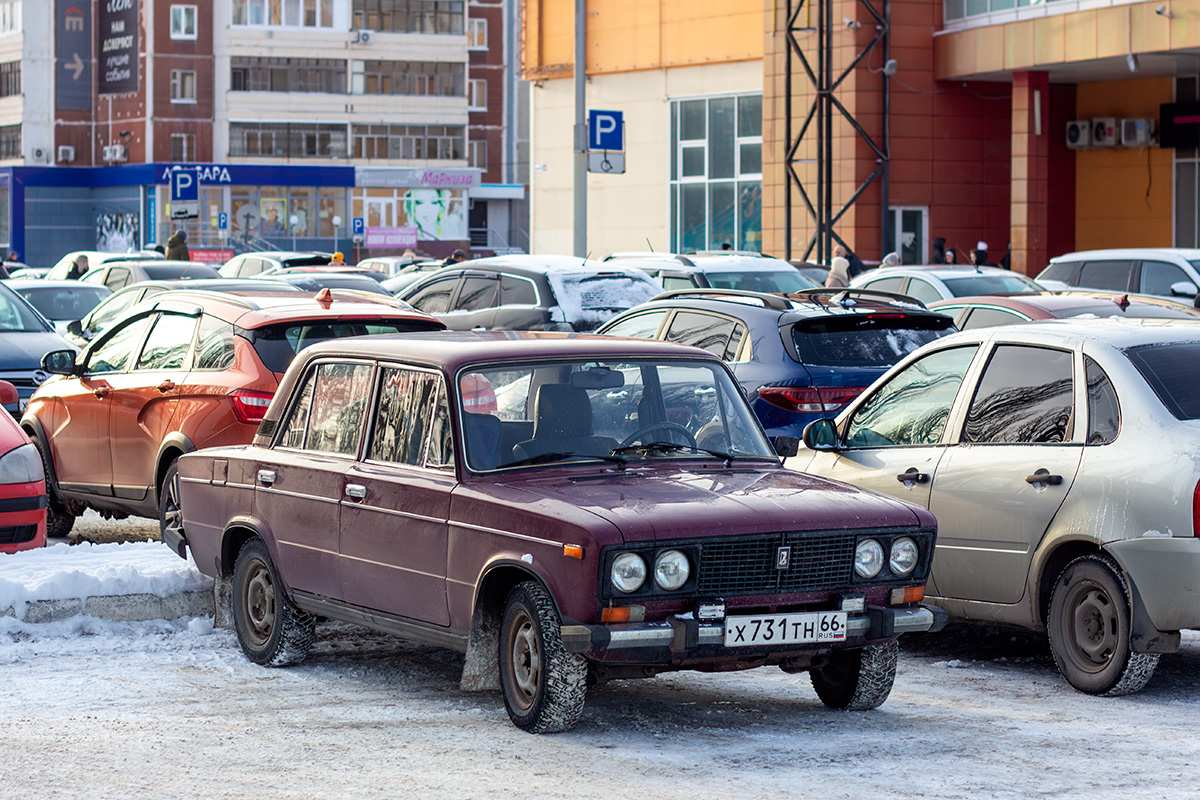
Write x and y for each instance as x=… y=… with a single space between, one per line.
x=294 y=223
x=337 y=226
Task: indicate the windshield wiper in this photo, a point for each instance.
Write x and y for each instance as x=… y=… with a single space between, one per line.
x=546 y=458
x=674 y=447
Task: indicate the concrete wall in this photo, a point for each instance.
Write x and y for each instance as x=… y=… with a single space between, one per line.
x=59 y=220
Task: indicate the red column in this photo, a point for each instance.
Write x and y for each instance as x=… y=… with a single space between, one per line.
x=1030 y=189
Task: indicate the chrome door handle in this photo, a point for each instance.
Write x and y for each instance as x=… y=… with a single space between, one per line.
x=266 y=476
x=356 y=490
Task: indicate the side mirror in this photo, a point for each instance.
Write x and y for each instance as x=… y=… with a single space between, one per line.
x=1183 y=289
x=821 y=434
x=59 y=362
x=8 y=394
x=786 y=446
x=75 y=328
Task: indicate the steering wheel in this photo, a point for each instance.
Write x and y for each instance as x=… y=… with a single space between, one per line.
x=666 y=426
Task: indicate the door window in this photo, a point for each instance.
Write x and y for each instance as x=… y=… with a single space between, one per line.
x=435 y=298
x=1104 y=412
x=114 y=352
x=1024 y=397
x=117 y=278
x=1157 y=277
x=988 y=317
x=328 y=413
x=1111 y=275
x=517 y=292
x=169 y=342
x=96 y=277
x=477 y=294
x=913 y=407
x=886 y=284
x=404 y=415
x=297 y=420
x=639 y=326
x=717 y=335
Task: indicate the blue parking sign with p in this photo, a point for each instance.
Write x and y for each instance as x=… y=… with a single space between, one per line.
x=357 y=226
x=222 y=220
x=184 y=186
x=606 y=130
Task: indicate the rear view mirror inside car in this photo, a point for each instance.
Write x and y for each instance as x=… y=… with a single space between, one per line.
x=597 y=378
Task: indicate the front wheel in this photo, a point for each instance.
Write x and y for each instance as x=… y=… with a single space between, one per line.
x=544 y=685
x=1089 y=630
x=859 y=679
x=59 y=520
x=271 y=631
x=170 y=515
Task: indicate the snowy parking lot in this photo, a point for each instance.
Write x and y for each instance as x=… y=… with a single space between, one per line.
x=94 y=709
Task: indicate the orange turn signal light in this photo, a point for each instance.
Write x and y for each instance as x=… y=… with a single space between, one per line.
x=614 y=614
x=910 y=594
x=573 y=551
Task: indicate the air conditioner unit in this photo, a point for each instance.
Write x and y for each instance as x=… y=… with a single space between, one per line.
x=364 y=37
x=1079 y=134
x=66 y=153
x=40 y=156
x=114 y=152
x=1105 y=132
x=1136 y=132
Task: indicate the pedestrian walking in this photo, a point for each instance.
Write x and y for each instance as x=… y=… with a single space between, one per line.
x=79 y=268
x=856 y=264
x=839 y=273
x=177 y=249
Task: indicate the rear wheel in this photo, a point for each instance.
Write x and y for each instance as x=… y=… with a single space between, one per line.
x=1089 y=630
x=269 y=628
x=859 y=679
x=59 y=520
x=170 y=515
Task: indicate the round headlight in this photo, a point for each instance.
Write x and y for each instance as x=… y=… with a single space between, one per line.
x=671 y=569
x=868 y=558
x=904 y=556
x=628 y=572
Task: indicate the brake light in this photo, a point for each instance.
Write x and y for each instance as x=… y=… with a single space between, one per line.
x=809 y=399
x=250 y=407
x=885 y=316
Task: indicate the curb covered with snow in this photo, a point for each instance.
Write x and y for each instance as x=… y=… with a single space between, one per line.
x=131 y=581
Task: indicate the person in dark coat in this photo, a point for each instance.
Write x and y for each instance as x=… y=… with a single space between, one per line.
x=177 y=249
x=79 y=268
x=456 y=257
x=939 y=250
x=855 y=263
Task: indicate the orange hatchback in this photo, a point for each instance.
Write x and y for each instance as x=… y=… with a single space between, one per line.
x=188 y=369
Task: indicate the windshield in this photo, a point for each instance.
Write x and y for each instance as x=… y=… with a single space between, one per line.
x=776 y=281
x=16 y=315
x=616 y=411
x=1173 y=371
x=278 y=344
x=588 y=299
x=990 y=284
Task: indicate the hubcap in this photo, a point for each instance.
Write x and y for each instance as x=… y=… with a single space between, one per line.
x=260 y=604
x=525 y=660
x=172 y=516
x=1095 y=624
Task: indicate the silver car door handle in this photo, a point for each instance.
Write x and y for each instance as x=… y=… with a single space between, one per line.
x=266 y=476
x=355 y=490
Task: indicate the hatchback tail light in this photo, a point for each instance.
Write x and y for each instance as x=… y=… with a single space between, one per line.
x=250 y=407
x=809 y=399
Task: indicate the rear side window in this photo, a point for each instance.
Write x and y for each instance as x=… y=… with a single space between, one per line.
x=1112 y=275
x=639 y=326
x=866 y=340
x=214 y=349
x=278 y=344
x=1173 y=371
x=989 y=317
x=517 y=292
x=924 y=291
x=885 y=284
x=720 y=336
x=990 y=284
x=1104 y=413
x=477 y=294
x=1024 y=397
x=1063 y=271
x=339 y=401
x=435 y=297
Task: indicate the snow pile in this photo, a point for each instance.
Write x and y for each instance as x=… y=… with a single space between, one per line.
x=68 y=572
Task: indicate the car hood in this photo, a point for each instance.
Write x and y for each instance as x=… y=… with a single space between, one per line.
x=665 y=504
x=24 y=350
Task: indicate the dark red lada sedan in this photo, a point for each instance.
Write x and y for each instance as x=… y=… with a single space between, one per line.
x=539 y=502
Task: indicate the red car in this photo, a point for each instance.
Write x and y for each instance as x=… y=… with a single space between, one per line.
x=22 y=484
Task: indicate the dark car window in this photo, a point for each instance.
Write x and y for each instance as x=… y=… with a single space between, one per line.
x=517 y=291
x=16 y=315
x=340 y=399
x=435 y=297
x=923 y=290
x=1173 y=371
x=1062 y=271
x=990 y=284
x=117 y=278
x=215 y=347
x=1025 y=396
x=477 y=294
x=277 y=344
x=1112 y=275
x=989 y=317
x=114 y=352
x=885 y=284
x=403 y=416
x=168 y=343
x=638 y=326
x=913 y=407
x=865 y=340
x=64 y=302
x=1104 y=412
x=1157 y=277
x=718 y=335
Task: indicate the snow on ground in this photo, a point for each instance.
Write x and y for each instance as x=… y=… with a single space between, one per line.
x=172 y=709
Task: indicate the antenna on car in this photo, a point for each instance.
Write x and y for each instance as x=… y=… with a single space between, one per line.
x=324 y=298
x=649 y=245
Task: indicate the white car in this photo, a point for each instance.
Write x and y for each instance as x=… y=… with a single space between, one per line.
x=1059 y=458
x=720 y=269
x=932 y=283
x=1170 y=272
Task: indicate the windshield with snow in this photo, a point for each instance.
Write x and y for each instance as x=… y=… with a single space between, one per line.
x=589 y=298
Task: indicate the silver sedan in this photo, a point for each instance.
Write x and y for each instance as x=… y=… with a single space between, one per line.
x=1062 y=461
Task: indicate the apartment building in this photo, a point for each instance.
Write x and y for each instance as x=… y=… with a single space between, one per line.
x=324 y=124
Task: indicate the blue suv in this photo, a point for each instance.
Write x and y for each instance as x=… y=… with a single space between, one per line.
x=798 y=357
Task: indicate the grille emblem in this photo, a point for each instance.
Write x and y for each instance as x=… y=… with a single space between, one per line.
x=783 y=557
x=40 y=377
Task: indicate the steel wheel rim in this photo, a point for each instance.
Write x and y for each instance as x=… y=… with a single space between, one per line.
x=172 y=513
x=1094 y=622
x=259 y=596
x=524 y=660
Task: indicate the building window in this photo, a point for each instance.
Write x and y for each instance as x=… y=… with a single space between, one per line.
x=326 y=76
x=10 y=16
x=477 y=94
x=183 y=86
x=716 y=173
x=409 y=142
x=409 y=16
x=183 y=22
x=183 y=147
x=10 y=141
x=477 y=34
x=478 y=153
x=443 y=79
x=284 y=13
x=287 y=140
x=10 y=79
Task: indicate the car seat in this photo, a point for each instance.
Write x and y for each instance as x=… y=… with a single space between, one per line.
x=562 y=424
x=482 y=433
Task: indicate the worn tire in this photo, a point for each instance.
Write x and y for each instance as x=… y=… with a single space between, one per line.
x=544 y=686
x=271 y=631
x=1089 y=630
x=858 y=679
x=170 y=515
x=59 y=520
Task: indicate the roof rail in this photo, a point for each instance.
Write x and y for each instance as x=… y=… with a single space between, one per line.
x=751 y=253
x=209 y=293
x=772 y=301
x=650 y=255
x=842 y=295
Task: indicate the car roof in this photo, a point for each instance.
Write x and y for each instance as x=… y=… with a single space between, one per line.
x=937 y=270
x=1187 y=254
x=798 y=305
x=1117 y=332
x=212 y=284
x=540 y=264
x=252 y=309
x=1051 y=302
x=716 y=261
x=283 y=255
x=41 y=283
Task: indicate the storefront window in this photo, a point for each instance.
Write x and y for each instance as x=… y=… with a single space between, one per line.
x=437 y=214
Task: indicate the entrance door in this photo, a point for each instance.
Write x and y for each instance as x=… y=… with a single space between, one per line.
x=381 y=212
x=908 y=234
